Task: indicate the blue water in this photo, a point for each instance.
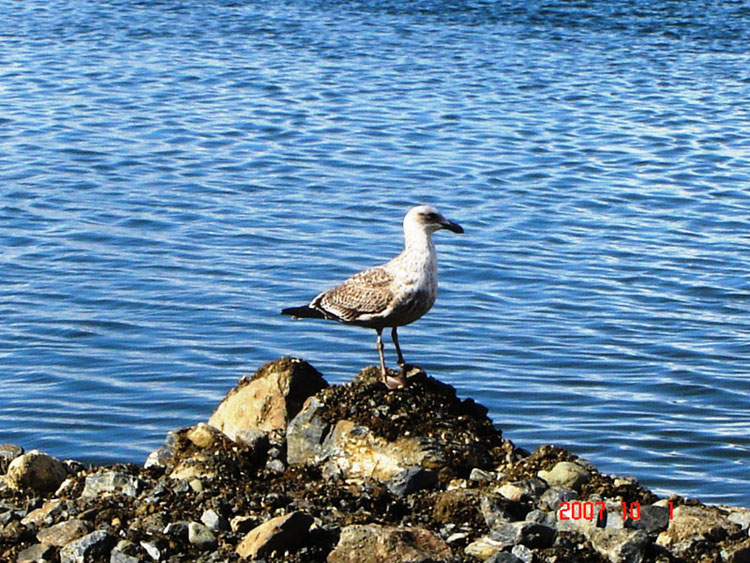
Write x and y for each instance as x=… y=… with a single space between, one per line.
x=173 y=173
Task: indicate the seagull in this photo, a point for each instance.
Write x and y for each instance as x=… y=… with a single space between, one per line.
x=391 y=295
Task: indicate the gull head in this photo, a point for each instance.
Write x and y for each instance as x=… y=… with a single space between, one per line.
x=428 y=219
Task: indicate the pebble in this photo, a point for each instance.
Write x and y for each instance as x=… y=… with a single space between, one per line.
x=92 y=547
x=411 y=480
x=111 y=482
x=214 y=521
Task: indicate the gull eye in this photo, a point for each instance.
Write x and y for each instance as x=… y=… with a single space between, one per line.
x=432 y=217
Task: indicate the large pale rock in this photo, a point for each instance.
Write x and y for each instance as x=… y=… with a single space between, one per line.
x=373 y=543
x=268 y=400
x=277 y=534
x=566 y=474
x=36 y=470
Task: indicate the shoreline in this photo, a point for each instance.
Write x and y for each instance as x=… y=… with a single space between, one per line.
x=289 y=468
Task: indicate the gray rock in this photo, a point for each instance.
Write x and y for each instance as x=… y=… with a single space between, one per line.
x=162 y=456
x=493 y=514
x=504 y=557
x=255 y=439
x=481 y=476
x=177 y=530
x=740 y=517
x=95 y=546
x=554 y=496
x=523 y=553
x=35 y=554
x=153 y=550
x=411 y=480
x=111 y=482
x=654 y=519
x=530 y=534
x=200 y=536
x=214 y=521
x=276 y=465
x=542 y=517
x=119 y=553
x=305 y=434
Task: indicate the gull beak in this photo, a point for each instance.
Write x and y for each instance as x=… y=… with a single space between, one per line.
x=451 y=226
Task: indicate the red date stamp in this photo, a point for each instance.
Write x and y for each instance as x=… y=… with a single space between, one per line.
x=588 y=510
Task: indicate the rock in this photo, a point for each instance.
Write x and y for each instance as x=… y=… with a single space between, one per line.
x=619 y=546
x=305 y=434
x=45 y=514
x=736 y=553
x=542 y=517
x=200 y=536
x=162 y=456
x=153 y=550
x=111 y=482
x=654 y=519
x=494 y=515
x=411 y=480
x=35 y=470
x=177 y=530
x=483 y=548
x=691 y=524
x=256 y=440
x=503 y=557
x=62 y=533
x=204 y=436
x=530 y=534
x=281 y=533
x=554 y=496
x=36 y=553
x=741 y=517
x=8 y=452
x=523 y=490
x=522 y=553
x=268 y=400
x=242 y=524
x=373 y=543
x=481 y=476
x=276 y=465
x=90 y=548
x=566 y=474
x=214 y=521
x=120 y=553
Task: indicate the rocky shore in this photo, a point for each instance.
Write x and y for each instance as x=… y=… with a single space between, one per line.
x=291 y=469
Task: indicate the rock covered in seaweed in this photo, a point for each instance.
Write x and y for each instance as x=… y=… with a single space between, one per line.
x=352 y=473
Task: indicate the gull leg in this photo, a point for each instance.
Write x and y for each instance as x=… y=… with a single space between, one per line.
x=394 y=337
x=383 y=372
x=390 y=381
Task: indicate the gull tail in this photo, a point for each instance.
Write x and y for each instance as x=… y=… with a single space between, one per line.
x=304 y=312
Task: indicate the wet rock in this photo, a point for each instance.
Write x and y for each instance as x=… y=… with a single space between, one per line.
x=36 y=553
x=109 y=482
x=268 y=400
x=566 y=474
x=62 y=533
x=8 y=452
x=373 y=543
x=411 y=480
x=281 y=533
x=37 y=471
x=90 y=548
